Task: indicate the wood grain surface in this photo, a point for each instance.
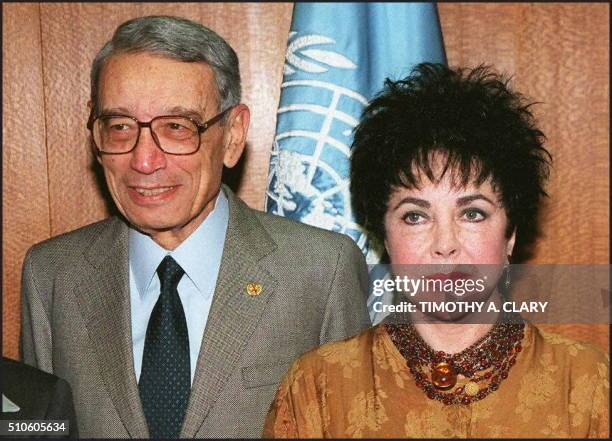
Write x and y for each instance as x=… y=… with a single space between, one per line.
x=25 y=193
x=558 y=55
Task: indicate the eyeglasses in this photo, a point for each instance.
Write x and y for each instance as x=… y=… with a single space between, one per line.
x=177 y=135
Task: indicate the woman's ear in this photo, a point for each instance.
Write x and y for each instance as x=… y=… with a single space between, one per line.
x=510 y=244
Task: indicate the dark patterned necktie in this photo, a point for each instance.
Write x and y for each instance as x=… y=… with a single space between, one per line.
x=165 y=379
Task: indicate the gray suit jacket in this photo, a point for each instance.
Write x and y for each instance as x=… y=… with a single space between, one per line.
x=76 y=320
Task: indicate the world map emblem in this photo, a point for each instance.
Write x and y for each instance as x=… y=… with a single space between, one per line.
x=310 y=160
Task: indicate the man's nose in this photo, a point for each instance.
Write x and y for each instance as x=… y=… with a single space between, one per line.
x=147 y=157
x=445 y=243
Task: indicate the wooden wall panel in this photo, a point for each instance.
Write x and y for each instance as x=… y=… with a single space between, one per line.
x=25 y=199
x=558 y=54
x=575 y=116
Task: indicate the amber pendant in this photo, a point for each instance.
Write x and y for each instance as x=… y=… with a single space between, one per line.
x=443 y=376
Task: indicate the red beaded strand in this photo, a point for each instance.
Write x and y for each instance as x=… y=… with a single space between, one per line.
x=487 y=360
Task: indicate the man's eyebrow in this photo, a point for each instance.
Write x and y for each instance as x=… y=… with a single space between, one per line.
x=412 y=200
x=184 y=111
x=464 y=200
x=176 y=110
x=115 y=110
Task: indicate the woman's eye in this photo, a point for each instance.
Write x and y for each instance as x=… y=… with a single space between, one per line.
x=474 y=215
x=414 y=218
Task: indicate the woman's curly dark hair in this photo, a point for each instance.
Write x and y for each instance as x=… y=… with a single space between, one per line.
x=483 y=128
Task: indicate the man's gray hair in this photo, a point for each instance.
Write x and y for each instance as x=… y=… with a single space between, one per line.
x=176 y=38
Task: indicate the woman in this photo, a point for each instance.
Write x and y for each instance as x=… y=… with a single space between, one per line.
x=448 y=169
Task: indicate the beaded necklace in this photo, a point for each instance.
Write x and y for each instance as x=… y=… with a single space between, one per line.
x=485 y=363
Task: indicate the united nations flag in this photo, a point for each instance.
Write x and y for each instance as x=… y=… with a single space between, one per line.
x=338 y=56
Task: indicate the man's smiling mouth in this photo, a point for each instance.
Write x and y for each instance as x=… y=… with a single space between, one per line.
x=152 y=191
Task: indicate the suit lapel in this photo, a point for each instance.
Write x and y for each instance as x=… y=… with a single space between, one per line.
x=105 y=302
x=234 y=313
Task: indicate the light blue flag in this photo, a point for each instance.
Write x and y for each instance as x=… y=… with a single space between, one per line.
x=338 y=56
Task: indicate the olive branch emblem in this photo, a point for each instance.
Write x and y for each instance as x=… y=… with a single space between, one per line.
x=296 y=55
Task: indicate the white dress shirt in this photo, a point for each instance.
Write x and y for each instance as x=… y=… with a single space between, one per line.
x=199 y=256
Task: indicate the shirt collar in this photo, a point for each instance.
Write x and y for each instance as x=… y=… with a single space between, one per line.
x=8 y=406
x=198 y=255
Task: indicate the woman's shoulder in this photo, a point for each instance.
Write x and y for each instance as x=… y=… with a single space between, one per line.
x=337 y=355
x=578 y=354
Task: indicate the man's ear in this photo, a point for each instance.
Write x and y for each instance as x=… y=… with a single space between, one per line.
x=91 y=144
x=236 y=134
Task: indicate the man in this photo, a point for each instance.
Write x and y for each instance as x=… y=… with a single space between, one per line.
x=180 y=318
x=31 y=394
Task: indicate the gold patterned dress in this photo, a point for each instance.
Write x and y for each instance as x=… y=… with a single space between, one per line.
x=362 y=387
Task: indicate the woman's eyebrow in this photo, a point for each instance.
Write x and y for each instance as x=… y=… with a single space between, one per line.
x=412 y=200
x=464 y=200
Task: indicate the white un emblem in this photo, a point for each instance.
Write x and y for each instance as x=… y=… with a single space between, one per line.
x=309 y=166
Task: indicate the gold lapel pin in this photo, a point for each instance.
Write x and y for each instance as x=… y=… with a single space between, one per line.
x=254 y=289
